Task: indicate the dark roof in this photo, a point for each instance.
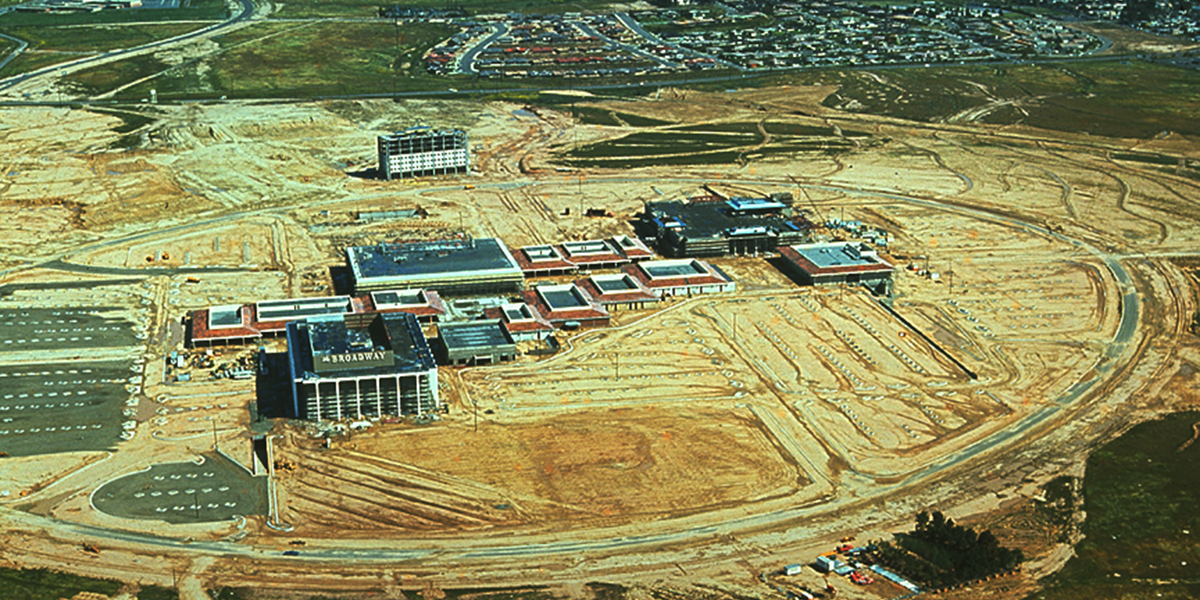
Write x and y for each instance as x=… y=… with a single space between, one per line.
x=712 y=217
x=474 y=334
x=399 y=333
x=425 y=258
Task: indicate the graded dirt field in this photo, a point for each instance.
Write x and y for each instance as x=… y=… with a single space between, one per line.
x=699 y=441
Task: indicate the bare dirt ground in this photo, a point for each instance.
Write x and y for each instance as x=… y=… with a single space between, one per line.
x=697 y=443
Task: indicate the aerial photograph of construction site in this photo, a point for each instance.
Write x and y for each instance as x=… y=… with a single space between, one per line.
x=603 y=300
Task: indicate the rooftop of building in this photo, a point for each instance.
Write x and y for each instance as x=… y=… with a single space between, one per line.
x=616 y=289
x=668 y=269
x=518 y=317
x=415 y=132
x=835 y=257
x=244 y=321
x=711 y=216
x=474 y=334
x=388 y=343
x=564 y=302
x=298 y=308
x=660 y=274
x=457 y=256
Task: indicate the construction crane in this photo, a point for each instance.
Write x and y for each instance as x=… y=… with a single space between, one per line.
x=816 y=211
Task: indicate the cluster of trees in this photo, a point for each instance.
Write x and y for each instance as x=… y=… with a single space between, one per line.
x=1136 y=11
x=940 y=553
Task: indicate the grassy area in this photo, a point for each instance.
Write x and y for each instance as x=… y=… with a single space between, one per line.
x=1131 y=99
x=708 y=144
x=364 y=8
x=591 y=115
x=658 y=143
x=1142 y=532
x=97 y=38
x=106 y=77
x=189 y=10
x=31 y=61
x=43 y=584
x=597 y=591
x=288 y=60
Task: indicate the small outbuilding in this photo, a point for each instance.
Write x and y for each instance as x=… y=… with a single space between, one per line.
x=475 y=343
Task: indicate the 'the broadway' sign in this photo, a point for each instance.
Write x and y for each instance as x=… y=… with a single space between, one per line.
x=353 y=360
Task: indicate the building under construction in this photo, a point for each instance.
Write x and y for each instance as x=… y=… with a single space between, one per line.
x=419 y=151
x=353 y=366
x=718 y=226
x=455 y=266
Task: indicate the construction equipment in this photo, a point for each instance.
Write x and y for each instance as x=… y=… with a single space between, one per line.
x=860 y=579
x=90 y=549
x=816 y=211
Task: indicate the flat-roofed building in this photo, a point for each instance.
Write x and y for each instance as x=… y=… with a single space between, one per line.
x=566 y=306
x=836 y=262
x=569 y=257
x=594 y=254
x=423 y=151
x=457 y=266
x=619 y=290
x=632 y=248
x=716 y=226
x=475 y=343
x=681 y=277
x=522 y=323
x=425 y=305
x=221 y=325
x=360 y=366
x=242 y=324
x=543 y=261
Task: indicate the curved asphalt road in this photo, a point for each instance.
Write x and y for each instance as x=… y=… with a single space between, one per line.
x=466 y=65
x=21 y=46
x=8 y=83
x=627 y=538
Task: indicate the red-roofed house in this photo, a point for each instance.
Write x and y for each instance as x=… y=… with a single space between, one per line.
x=566 y=306
x=681 y=277
x=521 y=323
x=620 y=290
x=836 y=262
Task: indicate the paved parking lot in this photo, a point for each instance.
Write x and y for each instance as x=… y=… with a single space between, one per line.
x=62 y=407
x=32 y=329
x=216 y=490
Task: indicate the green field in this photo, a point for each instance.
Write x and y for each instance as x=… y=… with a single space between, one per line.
x=189 y=10
x=97 y=38
x=714 y=143
x=43 y=584
x=365 y=8
x=1107 y=98
x=1141 y=495
x=286 y=60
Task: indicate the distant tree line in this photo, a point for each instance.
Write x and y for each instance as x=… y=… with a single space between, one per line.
x=941 y=554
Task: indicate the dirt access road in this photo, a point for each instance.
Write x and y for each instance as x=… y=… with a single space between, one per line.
x=805 y=417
